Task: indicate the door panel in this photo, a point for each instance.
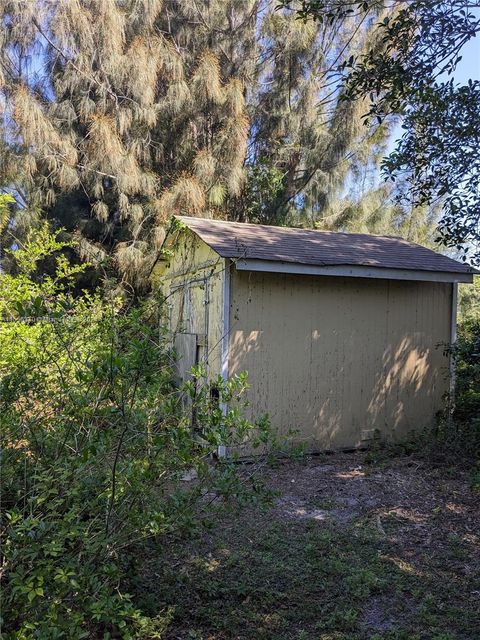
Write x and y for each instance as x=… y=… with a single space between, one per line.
x=185 y=345
x=189 y=316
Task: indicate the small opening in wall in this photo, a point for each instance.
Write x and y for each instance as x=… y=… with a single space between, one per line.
x=214 y=393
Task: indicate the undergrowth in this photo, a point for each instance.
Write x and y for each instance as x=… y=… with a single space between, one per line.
x=96 y=445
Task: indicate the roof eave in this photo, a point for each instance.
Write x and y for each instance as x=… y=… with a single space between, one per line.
x=352 y=271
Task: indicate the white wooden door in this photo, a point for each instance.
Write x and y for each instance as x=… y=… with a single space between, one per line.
x=189 y=325
x=186 y=350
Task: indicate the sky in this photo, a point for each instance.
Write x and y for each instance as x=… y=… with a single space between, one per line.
x=467 y=69
x=469 y=65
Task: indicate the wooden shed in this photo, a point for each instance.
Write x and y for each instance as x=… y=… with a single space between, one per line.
x=343 y=335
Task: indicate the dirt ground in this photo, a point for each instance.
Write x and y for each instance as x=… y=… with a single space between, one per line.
x=349 y=548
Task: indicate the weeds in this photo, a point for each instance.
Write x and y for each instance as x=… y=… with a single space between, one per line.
x=95 y=447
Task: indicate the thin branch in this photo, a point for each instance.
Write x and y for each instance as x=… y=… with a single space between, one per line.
x=92 y=79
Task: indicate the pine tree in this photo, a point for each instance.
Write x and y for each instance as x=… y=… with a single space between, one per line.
x=301 y=127
x=118 y=114
x=114 y=128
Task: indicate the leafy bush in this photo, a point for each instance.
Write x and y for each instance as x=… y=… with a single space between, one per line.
x=456 y=437
x=467 y=390
x=469 y=301
x=94 y=449
x=466 y=416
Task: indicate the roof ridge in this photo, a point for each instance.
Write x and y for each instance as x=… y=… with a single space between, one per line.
x=290 y=228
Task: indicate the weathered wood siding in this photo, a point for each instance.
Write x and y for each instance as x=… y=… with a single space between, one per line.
x=192 y=283
x=337 y=358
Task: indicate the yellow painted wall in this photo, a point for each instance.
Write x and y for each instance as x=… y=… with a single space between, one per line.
x=337 y=358
x=192 y=277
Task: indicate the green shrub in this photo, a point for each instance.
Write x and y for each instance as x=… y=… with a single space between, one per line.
x=94 y=449
x=456 y=437
x=467 y=384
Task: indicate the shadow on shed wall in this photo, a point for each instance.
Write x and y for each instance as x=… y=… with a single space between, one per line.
x=338 y=358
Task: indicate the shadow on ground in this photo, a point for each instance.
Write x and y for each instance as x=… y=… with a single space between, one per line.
x=347 y=551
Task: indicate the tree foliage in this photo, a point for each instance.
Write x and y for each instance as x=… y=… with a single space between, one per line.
x=110 y=102
x=94 y=448
x=437 y=157
x=301 y=129
x=118 y=114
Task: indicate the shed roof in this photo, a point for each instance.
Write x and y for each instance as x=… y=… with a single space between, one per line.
x=318 y=248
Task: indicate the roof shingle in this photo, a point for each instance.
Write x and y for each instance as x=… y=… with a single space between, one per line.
x=320 y=248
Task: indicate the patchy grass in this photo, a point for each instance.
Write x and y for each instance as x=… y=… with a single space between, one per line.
x=347 y=551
